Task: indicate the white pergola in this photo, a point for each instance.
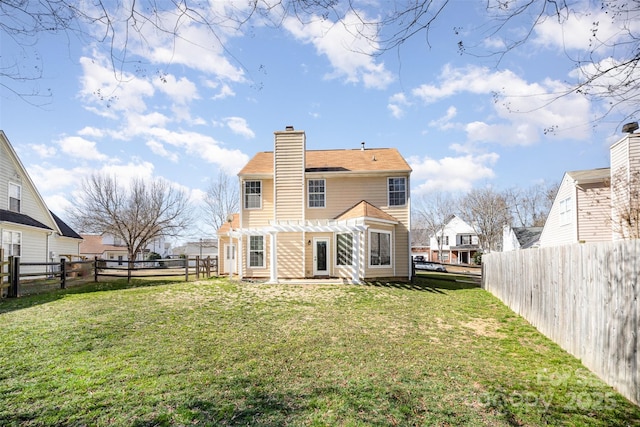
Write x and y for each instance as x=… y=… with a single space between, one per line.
x=353 y=226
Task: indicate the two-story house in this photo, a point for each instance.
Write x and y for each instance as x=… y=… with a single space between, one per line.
x=320 y=213
x=28 y=228
x=456 y=244
x=588 y=205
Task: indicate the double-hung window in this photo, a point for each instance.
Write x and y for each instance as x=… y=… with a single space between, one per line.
x=11 y=242
x=316 y=193
x=565 y=211
x=397 y=191
x=256 y=251
x=344 y=253
x=379 y=248
x=14 y=197
x=253 y=194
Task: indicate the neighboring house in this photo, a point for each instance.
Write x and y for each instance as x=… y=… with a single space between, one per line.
x=202 y=248
x=320 y=213
x=105 y=246
x=583 y=211
x=457 y=244
x=520 y=238
x=27 y=227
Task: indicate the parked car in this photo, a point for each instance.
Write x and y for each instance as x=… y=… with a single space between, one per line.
x=430 y=266
x=418 y=258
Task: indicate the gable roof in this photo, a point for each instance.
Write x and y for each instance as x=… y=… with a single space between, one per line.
x=357 y=160
x=62 y=228
x=92 y=245
x=364 y=209
x=22 y=219
x=590 y=176
x=527 y=236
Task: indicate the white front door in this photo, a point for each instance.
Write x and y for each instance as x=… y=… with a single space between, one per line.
x=320 y=256
x=230 y=265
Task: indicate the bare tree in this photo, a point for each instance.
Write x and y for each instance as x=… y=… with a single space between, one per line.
x=137 y=214
x=487 y=212
x=530 y=206
x=625 y=195
x=221 y=200
x=433 y=212
x=607 y=69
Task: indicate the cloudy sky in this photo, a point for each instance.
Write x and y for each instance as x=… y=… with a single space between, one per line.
x=185 y=109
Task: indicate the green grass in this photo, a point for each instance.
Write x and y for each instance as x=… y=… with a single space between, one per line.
x=438 y=352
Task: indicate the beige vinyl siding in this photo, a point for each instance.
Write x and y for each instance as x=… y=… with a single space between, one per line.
x=594 y=209
x=252 y=218
x=553 y=233
x=291 y=255
x=33 y=243
x=289 y=175
x=63 y=246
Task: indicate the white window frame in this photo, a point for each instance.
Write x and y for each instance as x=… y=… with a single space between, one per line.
x=245 y=195
x=8 y=238
x=323 y=193
x=390 y=191
x=390 y=234
x=348 y=252
x=565 y=210
x=18 y=188
x=251 y=250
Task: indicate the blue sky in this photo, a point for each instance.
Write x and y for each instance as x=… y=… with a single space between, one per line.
x=186 y=114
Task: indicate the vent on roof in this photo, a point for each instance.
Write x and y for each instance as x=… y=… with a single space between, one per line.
x=362 y=143
x=289 y=128
x=630 y=127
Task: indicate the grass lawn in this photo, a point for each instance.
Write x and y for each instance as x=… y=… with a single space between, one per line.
x=162 y=353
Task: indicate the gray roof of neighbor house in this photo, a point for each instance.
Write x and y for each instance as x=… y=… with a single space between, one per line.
x=527 y=236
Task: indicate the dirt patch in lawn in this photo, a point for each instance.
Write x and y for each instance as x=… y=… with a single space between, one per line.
x=485 y=328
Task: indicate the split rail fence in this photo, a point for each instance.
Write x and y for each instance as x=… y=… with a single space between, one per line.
x=18 y=278
x=584 y=297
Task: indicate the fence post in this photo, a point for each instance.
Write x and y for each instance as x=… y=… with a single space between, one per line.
x=208 y=266
x=63 y=274
x=129 y=267
x=14 y=276
x=95 y=268
x=186 y=269
x=198 y=266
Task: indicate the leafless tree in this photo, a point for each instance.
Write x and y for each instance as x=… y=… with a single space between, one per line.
x=433 y=211
x=530 y=206
x=138 y=214
x=487 y=212
x=608 y=69
x=221 y=200
x=625 y=195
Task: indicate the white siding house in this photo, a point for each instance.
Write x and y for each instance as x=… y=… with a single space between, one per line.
x=457 y=244
x=27 y=227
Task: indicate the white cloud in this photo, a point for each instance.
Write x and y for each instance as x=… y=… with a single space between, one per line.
x=239 y=126
x=43 y=150
x=159 y=149
x=444 y=122
x=180 y=90
x=81 y=148
x=396 y=104
x=348 y=45
x=49 y=178
x=124 y=173
x=451 y=174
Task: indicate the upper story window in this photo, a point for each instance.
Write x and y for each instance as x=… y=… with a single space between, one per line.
x=316 y=193
x=253 y=194
x=397 y=191
x=15 y=198
x=565 y=211
x=466 y=239
x=11 y=242
x=443 y=240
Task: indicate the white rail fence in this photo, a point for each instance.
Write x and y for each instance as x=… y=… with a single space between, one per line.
x=585 y=297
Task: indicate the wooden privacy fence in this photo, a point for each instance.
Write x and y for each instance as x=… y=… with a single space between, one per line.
x=14 y=273
x=585 y=297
